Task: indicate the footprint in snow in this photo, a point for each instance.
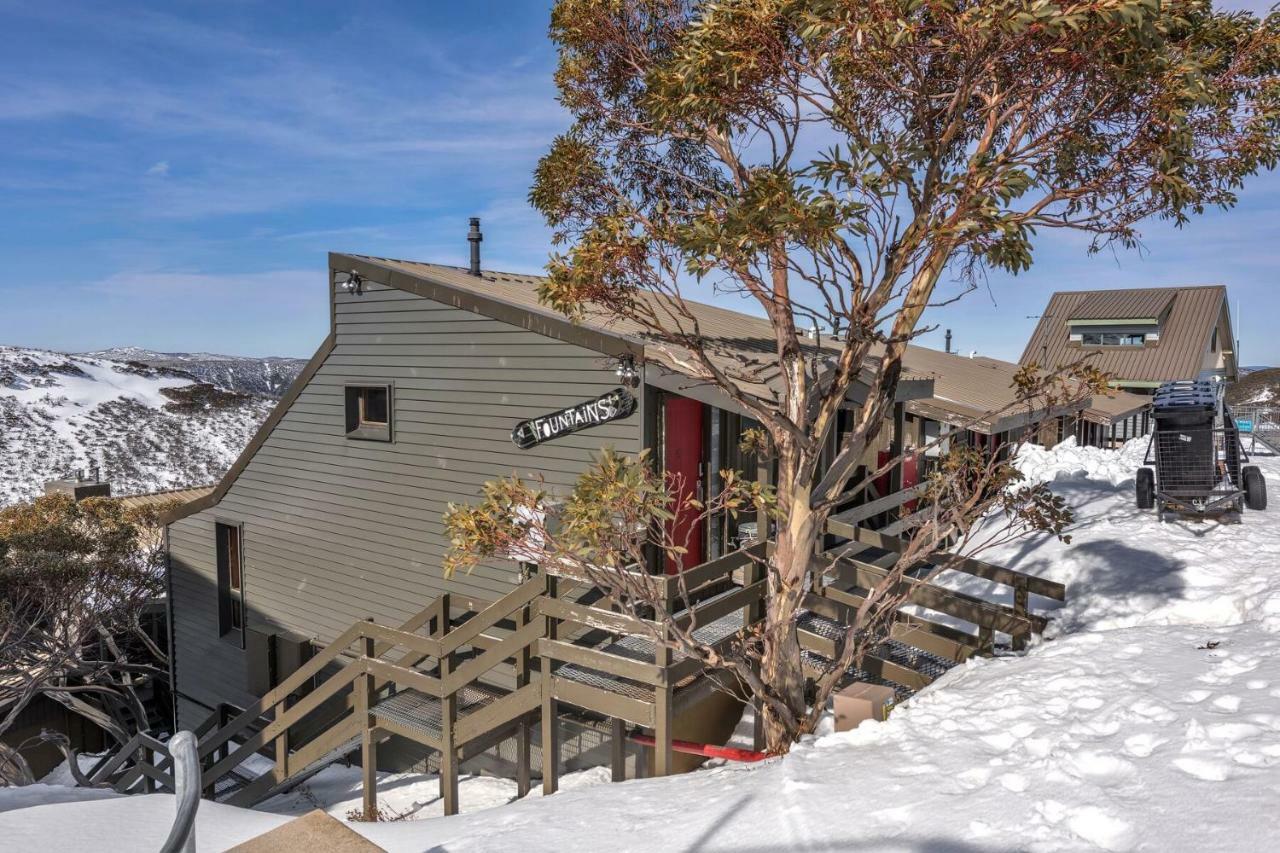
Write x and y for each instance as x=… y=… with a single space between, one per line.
x=1102 y=829
x=1227 y=704
x=1015 y=782
x=1142 y=745
x=1205 y=769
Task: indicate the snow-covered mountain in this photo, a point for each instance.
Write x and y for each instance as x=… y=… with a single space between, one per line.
x=145 y=428
x=268 y=377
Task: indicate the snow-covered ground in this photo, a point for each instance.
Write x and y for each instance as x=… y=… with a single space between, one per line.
x=145 y=428
x=1148 y=719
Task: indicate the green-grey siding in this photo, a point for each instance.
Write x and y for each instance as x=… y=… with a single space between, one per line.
x=337 y=530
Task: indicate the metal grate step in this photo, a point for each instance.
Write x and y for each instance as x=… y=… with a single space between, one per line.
x=422 y=713
x=640 y=648
x=896 y=651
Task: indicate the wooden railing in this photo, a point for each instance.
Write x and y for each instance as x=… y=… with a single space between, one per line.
x=539 y=625
x=704 y=594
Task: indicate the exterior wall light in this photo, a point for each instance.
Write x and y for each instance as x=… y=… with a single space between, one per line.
x=352 y=282
x=627 y=372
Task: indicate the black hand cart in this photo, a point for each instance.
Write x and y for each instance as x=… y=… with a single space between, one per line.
x=1197 y=455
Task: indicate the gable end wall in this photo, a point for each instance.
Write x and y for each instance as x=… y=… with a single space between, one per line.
x=338 y=530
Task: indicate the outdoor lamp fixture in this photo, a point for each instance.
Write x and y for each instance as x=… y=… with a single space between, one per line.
x=627 y=372
x=352 y=283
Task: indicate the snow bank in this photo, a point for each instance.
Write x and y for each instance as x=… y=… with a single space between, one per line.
x=1124 y=568
x=1069 y=461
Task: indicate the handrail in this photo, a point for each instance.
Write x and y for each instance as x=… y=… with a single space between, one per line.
x=967 y=565
x=713 y=570
x=279 y=693
x=186 y=784
x=872 y=508
x=925 y=594
x=491 y=615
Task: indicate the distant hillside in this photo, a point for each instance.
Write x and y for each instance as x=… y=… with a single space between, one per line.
x=268 y=377
x=1259 y=386
x=146 y=428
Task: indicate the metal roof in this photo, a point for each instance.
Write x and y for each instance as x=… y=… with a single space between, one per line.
x=740 y=343
x=1184 y=333
x=977 y=392
x=1146 y=304
x=1107 y=409
x=180 y=496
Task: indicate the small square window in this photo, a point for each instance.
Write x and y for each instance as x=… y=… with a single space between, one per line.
x=369 y=412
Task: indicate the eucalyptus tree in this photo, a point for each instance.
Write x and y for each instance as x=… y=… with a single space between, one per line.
x=833 y=162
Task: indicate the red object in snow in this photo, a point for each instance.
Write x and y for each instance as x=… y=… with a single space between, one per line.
x=710 y=751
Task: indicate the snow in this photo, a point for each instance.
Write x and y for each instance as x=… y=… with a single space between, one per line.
x=1147 y=719
x=61 y=413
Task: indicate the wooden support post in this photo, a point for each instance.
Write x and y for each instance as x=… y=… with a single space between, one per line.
x=618 y=749
x=448 y=716
x=550 y=712
x=523 y=752
x=364 y=700
x=662 y=716
x=281 y=770
x=1021 y=599
x=756 y=572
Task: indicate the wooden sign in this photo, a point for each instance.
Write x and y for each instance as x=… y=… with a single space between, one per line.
x=617 y=404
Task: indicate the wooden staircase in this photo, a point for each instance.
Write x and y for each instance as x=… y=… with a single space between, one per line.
x=465 y=674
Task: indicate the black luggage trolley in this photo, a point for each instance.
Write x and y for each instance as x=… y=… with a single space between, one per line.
x=1197 y=454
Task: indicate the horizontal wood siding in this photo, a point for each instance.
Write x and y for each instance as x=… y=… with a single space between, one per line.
x=338 y=530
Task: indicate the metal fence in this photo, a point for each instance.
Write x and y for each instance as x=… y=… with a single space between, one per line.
x=1259 y=425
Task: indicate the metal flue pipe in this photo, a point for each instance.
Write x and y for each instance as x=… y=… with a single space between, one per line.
x=474 y=237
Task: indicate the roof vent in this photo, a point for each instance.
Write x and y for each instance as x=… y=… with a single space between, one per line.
x=474 y=237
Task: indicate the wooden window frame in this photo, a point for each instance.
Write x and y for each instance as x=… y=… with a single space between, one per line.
x=231 y=598
x=357 y=427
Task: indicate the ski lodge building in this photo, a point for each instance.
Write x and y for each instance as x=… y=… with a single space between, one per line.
x=310 y=618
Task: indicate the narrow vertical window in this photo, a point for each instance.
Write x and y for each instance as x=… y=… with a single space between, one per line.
x=230 y=553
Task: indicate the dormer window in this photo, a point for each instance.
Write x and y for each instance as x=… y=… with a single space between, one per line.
x=1112 y=339
x=369 y=412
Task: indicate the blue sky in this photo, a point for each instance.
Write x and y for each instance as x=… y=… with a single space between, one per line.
x=174 y=173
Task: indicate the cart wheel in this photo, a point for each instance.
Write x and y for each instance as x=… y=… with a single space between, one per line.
x=1255 y=488
x=1146 y=488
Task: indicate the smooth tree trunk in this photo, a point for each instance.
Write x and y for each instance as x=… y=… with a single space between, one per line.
x=781 y=666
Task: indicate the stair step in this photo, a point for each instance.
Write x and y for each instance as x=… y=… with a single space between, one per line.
x=421 y=713
x=642 y=649
x=895 y=651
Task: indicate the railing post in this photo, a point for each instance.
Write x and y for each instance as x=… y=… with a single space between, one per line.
x=758 y=571
x=1021 y=598
x=986 y=639
x=523 y=769
x=618 y=749
x=282 y=744
x=448 y=720
x=365 y=687
x=550 y=722
x=662 y=716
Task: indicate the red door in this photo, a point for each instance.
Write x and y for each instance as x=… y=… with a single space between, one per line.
x=683 y=455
